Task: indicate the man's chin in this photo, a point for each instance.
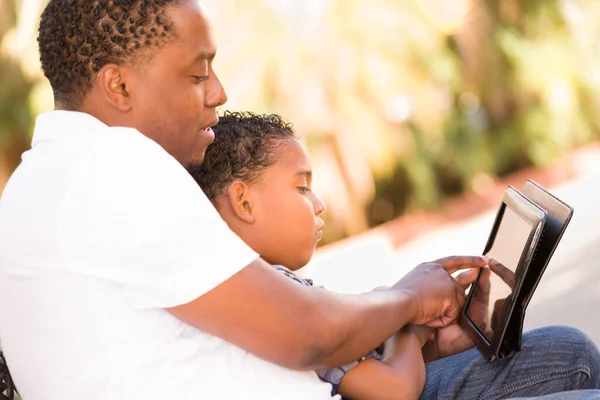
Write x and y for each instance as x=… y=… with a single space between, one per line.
x=195 y=164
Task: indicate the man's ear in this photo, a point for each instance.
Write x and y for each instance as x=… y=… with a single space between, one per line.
x=112 y=80
x=240 y=200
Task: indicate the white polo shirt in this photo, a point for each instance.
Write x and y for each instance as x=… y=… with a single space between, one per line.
x=100 y=229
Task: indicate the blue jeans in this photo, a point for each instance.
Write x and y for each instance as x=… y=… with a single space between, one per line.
x=556 y=360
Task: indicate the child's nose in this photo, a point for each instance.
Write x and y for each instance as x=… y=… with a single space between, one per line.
x=319 y=206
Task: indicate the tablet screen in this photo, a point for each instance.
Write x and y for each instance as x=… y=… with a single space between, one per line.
x=508 y=246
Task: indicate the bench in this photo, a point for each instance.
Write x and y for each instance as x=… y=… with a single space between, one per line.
x=7 y=386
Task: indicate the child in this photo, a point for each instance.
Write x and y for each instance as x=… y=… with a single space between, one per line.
x=258 y=176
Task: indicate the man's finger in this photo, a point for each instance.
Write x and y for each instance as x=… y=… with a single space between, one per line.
x=504 y=273
x=482 y=293
x=464 y=279
x=440 y=322
x=455 y=263
x=381 y=289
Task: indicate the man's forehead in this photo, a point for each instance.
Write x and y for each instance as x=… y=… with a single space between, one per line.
x=193 y=30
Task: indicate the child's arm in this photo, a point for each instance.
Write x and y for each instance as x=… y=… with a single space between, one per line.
x=400 y=375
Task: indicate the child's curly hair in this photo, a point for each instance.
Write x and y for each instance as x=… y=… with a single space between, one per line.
x=245 y=145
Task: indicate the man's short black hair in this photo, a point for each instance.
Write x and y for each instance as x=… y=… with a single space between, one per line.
x=78 y=37
x=245 y=145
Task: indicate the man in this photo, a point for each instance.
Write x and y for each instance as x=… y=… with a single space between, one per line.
x=114 y=282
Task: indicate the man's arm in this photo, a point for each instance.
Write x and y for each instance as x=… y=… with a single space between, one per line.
x=296 y=326
x=302 y=327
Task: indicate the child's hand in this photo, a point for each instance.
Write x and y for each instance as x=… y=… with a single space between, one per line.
x=422 y=332
x=410 y=333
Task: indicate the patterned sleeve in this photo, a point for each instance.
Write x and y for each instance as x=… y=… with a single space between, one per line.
x=290 y=274
x=335 y=375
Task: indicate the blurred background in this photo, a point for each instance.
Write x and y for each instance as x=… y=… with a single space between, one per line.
x=401 y=103
x=417 y=115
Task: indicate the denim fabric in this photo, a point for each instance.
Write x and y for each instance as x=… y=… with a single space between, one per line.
x=553 y=359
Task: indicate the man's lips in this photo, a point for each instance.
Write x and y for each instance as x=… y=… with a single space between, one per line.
x=208 y=133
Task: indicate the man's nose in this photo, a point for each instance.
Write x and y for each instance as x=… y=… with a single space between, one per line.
x=216 y=95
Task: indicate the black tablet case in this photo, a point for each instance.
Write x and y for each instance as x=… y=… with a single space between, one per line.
x=558 y=216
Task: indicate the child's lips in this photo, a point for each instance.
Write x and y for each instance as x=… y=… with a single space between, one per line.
x=320 y=231
x=320 y=224
x=319 y=234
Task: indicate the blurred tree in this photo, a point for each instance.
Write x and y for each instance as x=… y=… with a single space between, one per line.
x=23 y=92
x=405 y=103
x=15 y=118
x=401 y=103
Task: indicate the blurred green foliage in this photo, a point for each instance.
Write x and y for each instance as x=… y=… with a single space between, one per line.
x=15 y=116
x=402 y=104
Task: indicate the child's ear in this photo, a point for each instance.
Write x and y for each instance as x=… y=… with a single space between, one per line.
x=240 y=199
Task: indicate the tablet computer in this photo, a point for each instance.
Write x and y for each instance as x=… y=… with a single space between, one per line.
x=512 y=245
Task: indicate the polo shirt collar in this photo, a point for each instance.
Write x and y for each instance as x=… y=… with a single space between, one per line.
x=51 y=124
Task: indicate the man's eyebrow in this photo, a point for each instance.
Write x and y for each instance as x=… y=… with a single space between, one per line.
x=204 y=56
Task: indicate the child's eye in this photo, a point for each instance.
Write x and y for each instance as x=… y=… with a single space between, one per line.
x=303 y=189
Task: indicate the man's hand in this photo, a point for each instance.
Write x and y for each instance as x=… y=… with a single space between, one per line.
x=452 y=339
x=437 y=294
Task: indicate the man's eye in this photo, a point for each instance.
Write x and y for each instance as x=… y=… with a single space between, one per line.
x=198 y=78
